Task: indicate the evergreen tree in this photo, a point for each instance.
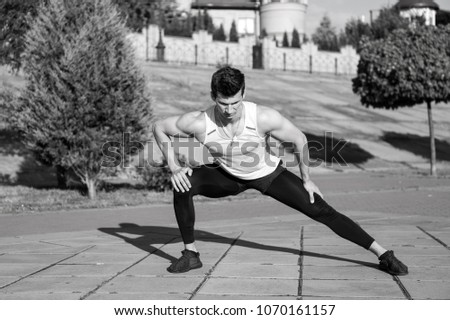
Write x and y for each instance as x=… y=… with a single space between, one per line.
x=234 y=36
x=83 y=88
x=295 y=39
x=325 y=36
x=199 y=22
x=355 y=30
x=263 y=34
x=15 y=17
x=188 y=27
x=219 y=34
x=285 y=42
x=208 y=22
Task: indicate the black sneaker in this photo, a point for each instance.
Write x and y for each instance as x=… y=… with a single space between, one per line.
x=188 y=261
x=390 y=264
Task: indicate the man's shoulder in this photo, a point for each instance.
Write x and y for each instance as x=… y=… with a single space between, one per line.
x=266 y=113
x=268 y=118
x=193 y=121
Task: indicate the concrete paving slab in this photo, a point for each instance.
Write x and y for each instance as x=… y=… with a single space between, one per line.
x=443 y=236
x=145 y=269
x=63 y=250
x=331 y=260
x=200 y=296
x=152 y=285
x=344 y=273
x=232 y=286
x=261 y=259
x=40 y=296
x=51 y=284
x=421 y=290
x=429 y=273
x=399 y=250
x=257 y=271
x=19 y=269
x=32 y=258
x=423 y=261
x=105 y=258
x=420 y=251
x=138 y=296
x=368 y=289
x=264 y=250
x=308 y=297
x=261 y=265
x=5 y=280
x=83 y=270
x=32 y=247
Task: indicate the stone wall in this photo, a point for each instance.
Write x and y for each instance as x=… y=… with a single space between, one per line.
x=202 y=50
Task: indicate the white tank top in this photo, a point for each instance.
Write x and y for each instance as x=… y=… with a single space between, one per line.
x=245 y=156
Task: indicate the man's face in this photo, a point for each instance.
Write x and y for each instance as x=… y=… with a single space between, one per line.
x=230 y=107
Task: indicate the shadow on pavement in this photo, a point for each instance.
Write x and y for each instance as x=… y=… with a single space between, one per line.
x=332 y=150
x=149 y=236
x=417 y=144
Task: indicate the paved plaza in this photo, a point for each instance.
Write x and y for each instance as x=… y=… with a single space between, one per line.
x=251 y=248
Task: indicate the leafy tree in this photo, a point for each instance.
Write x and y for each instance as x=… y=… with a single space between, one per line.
x=219 y=34
x=442 y=17
x=387 y=21
x=355 y=30
x=178 y=26
x=295 y=39
x=234 y=36
x=285 y=42
x=409 y=67
x=305 y=38
x=15 y=17
x=325 y=36
x=139 y=13
x=83 y=87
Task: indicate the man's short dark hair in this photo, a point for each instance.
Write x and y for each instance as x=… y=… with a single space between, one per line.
x=227 y=81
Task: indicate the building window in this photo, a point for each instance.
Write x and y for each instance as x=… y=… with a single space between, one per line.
x=246 y=26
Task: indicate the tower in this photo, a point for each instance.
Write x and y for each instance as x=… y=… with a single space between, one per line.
x=411 y=9
x=279 y=16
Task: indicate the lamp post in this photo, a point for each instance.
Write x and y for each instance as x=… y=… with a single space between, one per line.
x=160 y=47
x=257 y=48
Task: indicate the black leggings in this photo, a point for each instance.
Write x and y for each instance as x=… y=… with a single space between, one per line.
x=282 y=185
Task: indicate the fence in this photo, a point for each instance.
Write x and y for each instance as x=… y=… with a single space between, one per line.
x=202 y=50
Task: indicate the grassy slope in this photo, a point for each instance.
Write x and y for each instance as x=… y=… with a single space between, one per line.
x=316 y=103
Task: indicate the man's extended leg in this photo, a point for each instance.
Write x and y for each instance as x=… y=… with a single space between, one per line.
x=288 y=189
x=208 y=181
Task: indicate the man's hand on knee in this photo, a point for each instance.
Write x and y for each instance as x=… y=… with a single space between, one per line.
x=180 y=180
x=311 y=188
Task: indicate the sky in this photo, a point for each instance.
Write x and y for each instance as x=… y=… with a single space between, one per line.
x=340 y=11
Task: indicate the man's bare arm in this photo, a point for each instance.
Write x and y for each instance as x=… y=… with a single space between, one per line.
x=187 y=125
x=271 y=122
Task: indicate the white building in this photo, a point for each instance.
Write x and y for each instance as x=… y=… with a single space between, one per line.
x=253 y=16
x=411 y=9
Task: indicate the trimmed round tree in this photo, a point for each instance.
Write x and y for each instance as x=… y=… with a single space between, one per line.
x=409 y=67
x=83 y=87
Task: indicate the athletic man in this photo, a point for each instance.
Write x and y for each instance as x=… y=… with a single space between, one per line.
x=235 y=131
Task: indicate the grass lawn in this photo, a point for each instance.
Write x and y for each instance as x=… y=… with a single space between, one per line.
x=315 y=103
